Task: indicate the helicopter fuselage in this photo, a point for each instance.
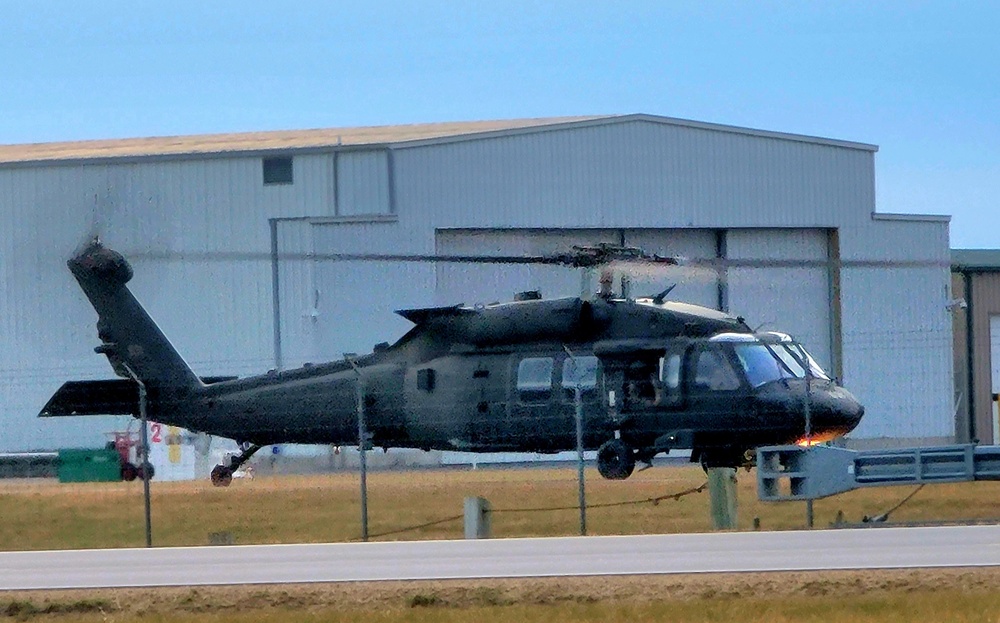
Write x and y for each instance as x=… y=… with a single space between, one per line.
x=654 y=393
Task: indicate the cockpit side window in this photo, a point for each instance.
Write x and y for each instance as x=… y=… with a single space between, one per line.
x=534 y=379
x=670 y=377
x=713 y=371
x=761 y=364
x=670 y=371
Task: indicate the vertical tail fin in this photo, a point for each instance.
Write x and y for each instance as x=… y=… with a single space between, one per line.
x=130 y=337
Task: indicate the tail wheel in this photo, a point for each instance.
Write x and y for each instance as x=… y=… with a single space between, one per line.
x=615 y=460
x=222 y=476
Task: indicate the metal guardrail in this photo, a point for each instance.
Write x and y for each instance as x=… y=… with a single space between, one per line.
x=788 y=473
x=28 y=464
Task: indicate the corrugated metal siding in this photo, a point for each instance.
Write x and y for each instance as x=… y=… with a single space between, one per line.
x=985 y=303
x=897 y=331
x=994 y=429
x=960 y=360
x=314 y=188
x=637 y=174
x=46 y=326
x=791 y=300
x=355 y=301
x=171 y=219
x=363 y=182
x=297 y=299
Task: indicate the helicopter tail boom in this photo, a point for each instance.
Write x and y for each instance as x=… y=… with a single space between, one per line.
x=132 y=342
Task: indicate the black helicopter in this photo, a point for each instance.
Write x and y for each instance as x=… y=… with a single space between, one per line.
x=653 y=376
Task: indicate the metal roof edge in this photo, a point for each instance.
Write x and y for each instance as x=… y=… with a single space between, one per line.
x=925 y=218
x=599 y=120
x=720 y=127
x=975 y=260
x=488 y=134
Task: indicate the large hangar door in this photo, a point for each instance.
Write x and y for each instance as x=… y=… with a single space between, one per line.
x=295 y=340
x=487 y=283
x=995 y=374
x=693 y=285
x=793 y=300
x=353 y=303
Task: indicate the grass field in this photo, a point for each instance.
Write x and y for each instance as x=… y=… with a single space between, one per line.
x=941 y=596
x=48 y=515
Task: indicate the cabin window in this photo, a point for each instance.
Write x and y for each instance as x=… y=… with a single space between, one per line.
x=714 y=372
x=642 y=383
x=534 y=379
x=582 y=370
x=425 y=379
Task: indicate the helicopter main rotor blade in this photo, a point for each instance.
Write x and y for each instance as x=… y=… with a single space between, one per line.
x=723 y=263
x=571 y=260
x=579 y=257
x=556 y=260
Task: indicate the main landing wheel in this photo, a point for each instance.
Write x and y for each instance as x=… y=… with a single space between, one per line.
x=222 y=476
x=615 y=460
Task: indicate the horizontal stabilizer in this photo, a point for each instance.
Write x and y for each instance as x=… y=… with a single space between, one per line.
x=113 y=397
x=421 y=315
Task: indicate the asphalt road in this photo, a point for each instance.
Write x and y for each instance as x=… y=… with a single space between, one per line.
x=872 y=548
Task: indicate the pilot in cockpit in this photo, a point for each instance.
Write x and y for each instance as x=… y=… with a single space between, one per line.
x=714 y=373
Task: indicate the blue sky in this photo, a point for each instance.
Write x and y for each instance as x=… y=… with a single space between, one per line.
x=919 y=79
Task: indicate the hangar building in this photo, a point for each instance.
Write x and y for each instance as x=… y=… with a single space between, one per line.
x=976 y=288
x=202 y=217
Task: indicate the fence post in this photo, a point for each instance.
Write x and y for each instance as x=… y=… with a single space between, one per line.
x=477 y=518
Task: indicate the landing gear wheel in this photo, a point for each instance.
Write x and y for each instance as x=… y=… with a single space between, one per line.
x=615 y=460
x=222 y=476
x=146 y=471
x=129 y=472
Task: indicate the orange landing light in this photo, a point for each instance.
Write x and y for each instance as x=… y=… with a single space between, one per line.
x=815 y=440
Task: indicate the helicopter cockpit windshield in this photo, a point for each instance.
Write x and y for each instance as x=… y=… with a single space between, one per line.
x=773 y=358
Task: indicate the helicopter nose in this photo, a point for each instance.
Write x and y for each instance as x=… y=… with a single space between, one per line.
x=836 y=410
x=849 y=411
x=832 y=411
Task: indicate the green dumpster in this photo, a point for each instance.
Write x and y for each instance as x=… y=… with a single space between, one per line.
x=89 y=465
